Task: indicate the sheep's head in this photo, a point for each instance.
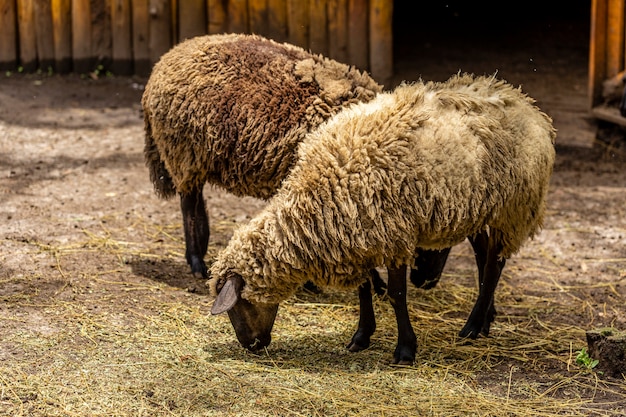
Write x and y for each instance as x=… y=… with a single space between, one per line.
x=252 y=322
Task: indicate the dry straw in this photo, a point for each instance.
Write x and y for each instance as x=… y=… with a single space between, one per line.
x=106 y=325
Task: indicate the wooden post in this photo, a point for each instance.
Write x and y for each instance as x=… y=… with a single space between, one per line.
x=160 y=39
x=381 y=40
x=141 y=33
x=258 y=14
x=216 y=17
x=277 y=20
x=318 y=27
x=338 y=30
x=27 y=35
x=81 y=36
x=8 y=34
x=121 y=37
x=191 y=19
x=238 y=16
x=615 y=38
x=597 y=51
x=174 y=21
x=101 y=39
x=44 y=34
x=357 y=33
x=61 y=27
x=298 y=22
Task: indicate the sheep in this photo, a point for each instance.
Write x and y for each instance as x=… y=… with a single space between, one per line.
x=423 y=166
x=230 y=110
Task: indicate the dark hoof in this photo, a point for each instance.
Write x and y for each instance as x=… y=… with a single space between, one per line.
x=360 y=341
x=199 y=275
x=355 y=347
x=474 y=328
x=198 y=268
x=403 y=356
x=427 y=285
x=472 y=331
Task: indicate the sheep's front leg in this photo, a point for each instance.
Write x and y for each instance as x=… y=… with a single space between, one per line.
x=407 y=342
x=196 y=224
x=367 y=320
x=486 y=249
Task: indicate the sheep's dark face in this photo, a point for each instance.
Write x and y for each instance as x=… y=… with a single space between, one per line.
x=252 y=322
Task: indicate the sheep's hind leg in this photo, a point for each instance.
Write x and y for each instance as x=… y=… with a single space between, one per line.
x=196 y=224
x=428 y=267
x=407 y=342
x=367 y=319
x=480 y=244
x=486 y=249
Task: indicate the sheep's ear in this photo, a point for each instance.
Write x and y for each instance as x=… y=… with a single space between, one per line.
x=228 y=297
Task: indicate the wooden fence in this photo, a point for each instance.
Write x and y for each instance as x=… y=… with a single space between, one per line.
x=607 y=57
x=128 y=36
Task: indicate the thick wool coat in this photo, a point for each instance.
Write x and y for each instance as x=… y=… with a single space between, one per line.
x=231 y=109
x=423 y=166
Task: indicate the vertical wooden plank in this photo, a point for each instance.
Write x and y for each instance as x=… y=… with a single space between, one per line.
x=597 y=51
x=277 y=20
x=318 y=27
x=298 y=22
x=61 y=27
x=174 y=21
x=615 y=38
x=191 y=19
x=81 y=36
x=338 y=30
x=121 y=37
x=44 y=34
x=258 y=15
x=216 y=17
x=381 y=40
x=8 y=34
x=238 y=16
x=160 y=39
x=358 y=40
x=27 y=34
x=101 y=42
x=141 y=34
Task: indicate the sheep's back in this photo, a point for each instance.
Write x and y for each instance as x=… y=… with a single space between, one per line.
x=416 y=168
x=423 y=166
x=231 y=109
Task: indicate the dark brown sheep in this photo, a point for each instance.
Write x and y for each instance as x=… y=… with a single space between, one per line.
x=230 y=110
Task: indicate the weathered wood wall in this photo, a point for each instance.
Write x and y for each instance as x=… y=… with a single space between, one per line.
x=128 y=36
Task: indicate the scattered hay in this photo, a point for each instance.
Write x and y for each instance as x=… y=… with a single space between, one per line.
x=104 y=340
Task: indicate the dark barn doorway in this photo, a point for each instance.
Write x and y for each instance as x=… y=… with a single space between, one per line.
x=436 y=39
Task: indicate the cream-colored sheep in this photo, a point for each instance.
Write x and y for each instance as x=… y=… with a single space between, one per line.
x=230 y=110
x=424 y=166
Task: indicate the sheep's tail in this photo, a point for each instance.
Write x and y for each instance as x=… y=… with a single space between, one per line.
x=159 y=175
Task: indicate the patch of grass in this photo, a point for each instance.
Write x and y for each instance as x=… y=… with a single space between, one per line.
x=585 y=361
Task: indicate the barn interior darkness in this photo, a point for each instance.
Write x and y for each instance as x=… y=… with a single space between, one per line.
x=435 y=38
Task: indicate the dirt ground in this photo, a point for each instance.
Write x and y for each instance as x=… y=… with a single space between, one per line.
x=88 y=254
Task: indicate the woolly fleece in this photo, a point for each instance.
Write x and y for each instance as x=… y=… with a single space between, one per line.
x=423 y=166
x=231 y=110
